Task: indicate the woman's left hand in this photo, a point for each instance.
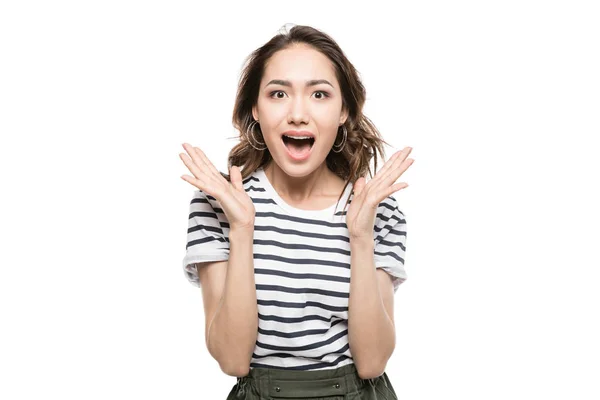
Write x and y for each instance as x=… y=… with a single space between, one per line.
x=360 y=218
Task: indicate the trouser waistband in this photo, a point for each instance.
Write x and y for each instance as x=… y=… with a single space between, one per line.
x=292 y=383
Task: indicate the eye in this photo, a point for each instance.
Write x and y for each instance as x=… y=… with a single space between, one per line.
x=322 y=93
x=276 y=91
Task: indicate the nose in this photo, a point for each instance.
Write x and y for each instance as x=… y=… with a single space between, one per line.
x=298 y=112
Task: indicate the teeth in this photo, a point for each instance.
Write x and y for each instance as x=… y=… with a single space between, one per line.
x=299 y=137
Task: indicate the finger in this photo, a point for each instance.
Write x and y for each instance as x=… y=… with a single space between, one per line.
x=209 y=165
x=194 y=157
x=399 y=160
x=389 y=162
x=198 y=183
x=236 y=177
x=359 y=185
x=203 y=166
x=390 y=165
x=360 y=193
x=394 y=175
x=389 y=191
x=394 y=188
x=391 y=174
x=191 y=165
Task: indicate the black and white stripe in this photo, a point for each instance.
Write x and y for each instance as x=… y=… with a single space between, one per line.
x=302 y=271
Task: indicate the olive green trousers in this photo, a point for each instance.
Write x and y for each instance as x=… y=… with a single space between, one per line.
x=332 y=384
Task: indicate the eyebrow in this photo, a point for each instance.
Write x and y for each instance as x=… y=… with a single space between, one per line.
x=312 y=82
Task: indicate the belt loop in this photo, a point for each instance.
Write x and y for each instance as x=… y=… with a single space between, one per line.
x=242 y=383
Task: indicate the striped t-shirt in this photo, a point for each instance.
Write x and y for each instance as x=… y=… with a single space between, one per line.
x=301 y=270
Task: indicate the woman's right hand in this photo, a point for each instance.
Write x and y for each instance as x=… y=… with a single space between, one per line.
x=237 y=205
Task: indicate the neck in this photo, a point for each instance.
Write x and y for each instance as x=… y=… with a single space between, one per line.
x=299 y=188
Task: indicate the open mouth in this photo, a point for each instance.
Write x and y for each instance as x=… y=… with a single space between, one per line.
x=298 y=146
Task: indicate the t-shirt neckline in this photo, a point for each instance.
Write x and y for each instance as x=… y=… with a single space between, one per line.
x=325 y=213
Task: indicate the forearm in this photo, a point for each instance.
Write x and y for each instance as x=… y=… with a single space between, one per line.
x=371 y=332
x=233 y=331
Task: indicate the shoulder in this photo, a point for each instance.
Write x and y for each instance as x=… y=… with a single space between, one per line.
x=200 y=197
x=389 y=208
x=389 y=216
x=203 y=204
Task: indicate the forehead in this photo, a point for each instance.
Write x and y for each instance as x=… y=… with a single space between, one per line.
x=298 y=63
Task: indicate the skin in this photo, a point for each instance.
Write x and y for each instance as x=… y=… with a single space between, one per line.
x=371 y=327
x=301 y=107
x=305 y=183
x=317 y=109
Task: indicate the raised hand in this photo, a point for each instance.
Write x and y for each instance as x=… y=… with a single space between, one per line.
x=360 y=218
x=236 y=204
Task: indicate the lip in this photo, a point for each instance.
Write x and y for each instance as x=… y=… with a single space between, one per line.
x=297 y=133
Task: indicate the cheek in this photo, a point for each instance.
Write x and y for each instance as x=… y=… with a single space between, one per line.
x=328 y=124
x=271 y=113
x=327 y=116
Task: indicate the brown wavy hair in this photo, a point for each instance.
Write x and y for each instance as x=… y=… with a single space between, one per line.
x=363 y=139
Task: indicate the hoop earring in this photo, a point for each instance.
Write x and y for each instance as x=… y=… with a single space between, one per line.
x=341 y=146
x=250 y=133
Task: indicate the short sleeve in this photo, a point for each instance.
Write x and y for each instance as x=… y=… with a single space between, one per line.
x=207 y=235
x=390 y=240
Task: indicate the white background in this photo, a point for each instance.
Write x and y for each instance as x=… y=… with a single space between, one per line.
x=499 y=100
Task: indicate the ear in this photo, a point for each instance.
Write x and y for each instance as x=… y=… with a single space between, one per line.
x=343 y=115
x=255 y=113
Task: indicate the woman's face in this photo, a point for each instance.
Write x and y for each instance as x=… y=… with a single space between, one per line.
x=299 y=94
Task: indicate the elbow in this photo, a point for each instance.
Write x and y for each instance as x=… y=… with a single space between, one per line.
x=370 y=373
x=236 y=370
x=371 y=370
x=228 y=364
x=374 y=367
x=231 y=364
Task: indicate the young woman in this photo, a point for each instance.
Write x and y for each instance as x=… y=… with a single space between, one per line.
x=298 y=290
